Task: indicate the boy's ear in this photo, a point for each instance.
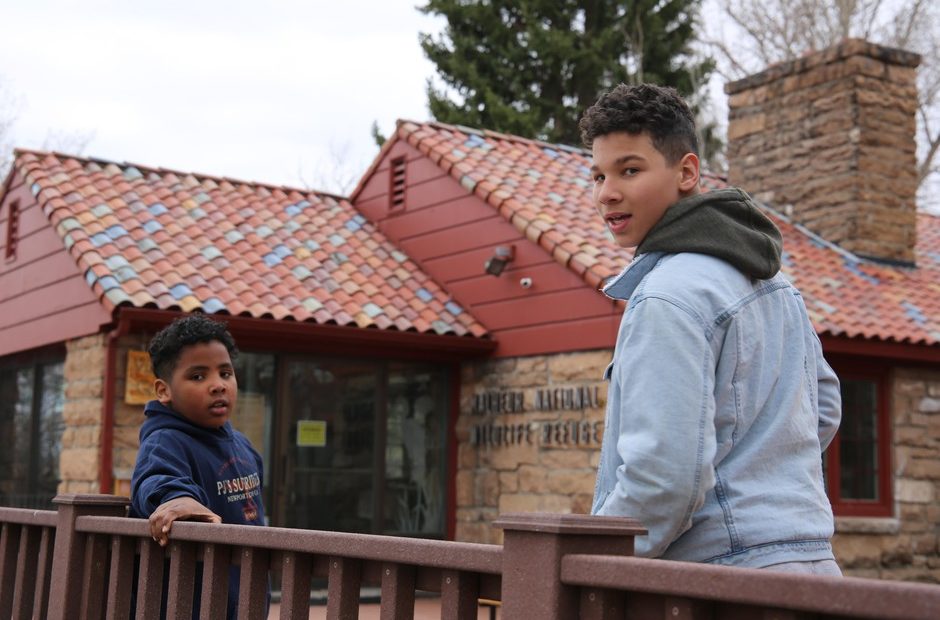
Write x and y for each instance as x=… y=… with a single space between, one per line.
x=162 y=389
x=688 y=173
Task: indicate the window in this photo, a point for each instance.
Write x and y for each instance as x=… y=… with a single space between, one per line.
x=13 y=226
x=31 y=397
x=256 y=405
x=858 y=462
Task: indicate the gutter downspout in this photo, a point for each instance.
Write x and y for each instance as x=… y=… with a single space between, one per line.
x=106 y=457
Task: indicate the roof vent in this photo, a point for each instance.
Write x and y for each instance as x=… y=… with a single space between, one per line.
x=13 y=225
x=396 y=184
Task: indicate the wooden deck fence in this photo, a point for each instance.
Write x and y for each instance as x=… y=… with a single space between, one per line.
x=79 y=562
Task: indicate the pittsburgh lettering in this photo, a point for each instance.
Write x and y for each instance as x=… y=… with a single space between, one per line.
x=240 y=485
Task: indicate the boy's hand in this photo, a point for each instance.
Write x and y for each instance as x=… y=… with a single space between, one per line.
x=180 y=508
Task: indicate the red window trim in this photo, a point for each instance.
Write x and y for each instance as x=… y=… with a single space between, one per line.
x=884 y=505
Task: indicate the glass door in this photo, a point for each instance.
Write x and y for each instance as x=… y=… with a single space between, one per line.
x=328 y=445
x=362 y=447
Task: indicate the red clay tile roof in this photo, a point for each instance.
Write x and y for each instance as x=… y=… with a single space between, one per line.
x=544 y=190
x=169 y=240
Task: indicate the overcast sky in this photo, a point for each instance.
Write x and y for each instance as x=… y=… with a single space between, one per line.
x=282 y=91
x=274 y=91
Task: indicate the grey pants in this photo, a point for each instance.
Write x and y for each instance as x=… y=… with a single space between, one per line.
x=819 y=567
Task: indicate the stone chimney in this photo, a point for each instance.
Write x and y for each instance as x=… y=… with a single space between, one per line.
x=828 y=139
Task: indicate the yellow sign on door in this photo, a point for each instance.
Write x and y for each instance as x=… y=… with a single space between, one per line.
x=311 y=433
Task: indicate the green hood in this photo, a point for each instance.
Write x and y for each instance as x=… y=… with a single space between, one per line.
x=724 y=223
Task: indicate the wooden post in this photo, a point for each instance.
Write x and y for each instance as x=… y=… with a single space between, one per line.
x=533 y=547
x=65 y=596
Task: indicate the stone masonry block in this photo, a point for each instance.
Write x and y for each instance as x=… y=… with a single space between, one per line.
x=465 y=486
x=124 y=458
x=555 y=503
x=739 y=128
x=510 y=457
x=79 y=412
x=128 y=415
x=572 y=367
x=924 y=469
x=857 y=550
x=489 y=488
x=127 y=437
x=532 y=479
x=89 y=388
x=508 y=482
x=916 y=491
x=570 y=482
x=519 y=502
x=81 y=437
x=565 y=459
x=581 y=503
x=472 y=532
x=929 y=405
x=79 y=464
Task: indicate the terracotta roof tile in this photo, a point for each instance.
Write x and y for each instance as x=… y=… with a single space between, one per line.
x=157 y=238
x=544 y=191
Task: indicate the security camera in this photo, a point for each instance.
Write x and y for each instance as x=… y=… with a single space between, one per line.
x=525 y=282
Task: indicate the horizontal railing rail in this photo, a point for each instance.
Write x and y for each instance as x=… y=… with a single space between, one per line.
x=643 y=588
x=461 y=572
x=88 y=561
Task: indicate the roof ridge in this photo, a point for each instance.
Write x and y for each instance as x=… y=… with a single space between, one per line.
x=161 y=170
x=500 y=135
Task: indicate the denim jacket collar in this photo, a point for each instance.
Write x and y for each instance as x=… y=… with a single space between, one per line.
x=623 y=285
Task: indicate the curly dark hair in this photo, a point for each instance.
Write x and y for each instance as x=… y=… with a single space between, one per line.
x=656 y=110
x=167 y=345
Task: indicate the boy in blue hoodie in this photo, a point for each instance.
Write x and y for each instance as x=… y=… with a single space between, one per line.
x=192 y=465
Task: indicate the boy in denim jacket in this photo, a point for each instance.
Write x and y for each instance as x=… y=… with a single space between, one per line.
x=720 y=402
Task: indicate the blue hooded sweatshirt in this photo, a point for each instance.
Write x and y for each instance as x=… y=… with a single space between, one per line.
x=218 y=468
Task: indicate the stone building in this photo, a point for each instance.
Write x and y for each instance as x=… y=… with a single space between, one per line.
x=429 y=352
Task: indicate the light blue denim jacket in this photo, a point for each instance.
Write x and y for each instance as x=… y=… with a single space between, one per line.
x=719 y=405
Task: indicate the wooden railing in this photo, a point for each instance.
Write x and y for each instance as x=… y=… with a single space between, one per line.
x=80 y=562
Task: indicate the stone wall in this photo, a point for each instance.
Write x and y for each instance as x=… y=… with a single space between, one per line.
x=528 y=437
x=829 y=140
x=85 y=361
x=85 y=366
x=905 y=546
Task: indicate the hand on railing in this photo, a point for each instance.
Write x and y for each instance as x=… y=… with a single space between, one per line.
x=180 y=508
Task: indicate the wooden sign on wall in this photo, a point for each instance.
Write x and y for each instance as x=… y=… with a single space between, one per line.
x=138 y=381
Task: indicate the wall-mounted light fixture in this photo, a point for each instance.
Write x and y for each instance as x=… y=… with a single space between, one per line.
x=502 y=255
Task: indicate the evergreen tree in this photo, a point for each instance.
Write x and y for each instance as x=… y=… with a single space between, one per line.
x=531 y=67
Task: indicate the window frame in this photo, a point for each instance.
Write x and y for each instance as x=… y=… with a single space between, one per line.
x=36 y=360
x=879 y=374
x=384 y=368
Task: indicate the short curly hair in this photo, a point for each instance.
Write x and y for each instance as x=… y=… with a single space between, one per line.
x=167 y=345
x=656 y=110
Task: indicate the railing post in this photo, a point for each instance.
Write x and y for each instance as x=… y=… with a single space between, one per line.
x=533 y=547
x=65 y=595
